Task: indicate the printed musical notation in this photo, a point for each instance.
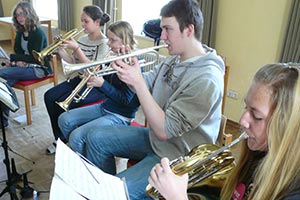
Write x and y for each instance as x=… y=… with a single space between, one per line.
x=76 y=178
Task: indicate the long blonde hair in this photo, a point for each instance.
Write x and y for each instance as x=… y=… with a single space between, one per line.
x=279 y=172
x=123 y=30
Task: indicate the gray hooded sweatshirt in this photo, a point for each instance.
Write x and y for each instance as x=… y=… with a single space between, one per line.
x=190 y=93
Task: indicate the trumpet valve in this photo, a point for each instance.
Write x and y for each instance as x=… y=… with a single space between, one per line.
x=57 y=38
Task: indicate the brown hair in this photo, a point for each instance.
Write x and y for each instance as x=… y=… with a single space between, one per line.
x=32 y=20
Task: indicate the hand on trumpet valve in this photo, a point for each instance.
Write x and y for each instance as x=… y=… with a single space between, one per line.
x=130 y=74
x=95 y=81
x=165 y=181
x=57 y=38
x=69 y=44
x=125 y=49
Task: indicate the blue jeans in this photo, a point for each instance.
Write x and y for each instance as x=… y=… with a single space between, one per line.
x=13 y=75
x=104 y=143
x=59 y=93
x=76 y=123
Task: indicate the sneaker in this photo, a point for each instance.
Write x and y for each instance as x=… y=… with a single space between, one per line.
x=51 y=149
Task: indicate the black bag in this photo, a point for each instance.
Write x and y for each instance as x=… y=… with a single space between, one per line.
x=152 y=29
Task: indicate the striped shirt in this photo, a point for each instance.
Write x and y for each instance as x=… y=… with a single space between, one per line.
x=89 y=47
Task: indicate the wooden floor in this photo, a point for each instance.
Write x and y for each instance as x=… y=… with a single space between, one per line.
x=27 y=144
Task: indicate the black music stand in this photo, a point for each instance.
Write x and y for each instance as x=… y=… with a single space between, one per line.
x=7 y=99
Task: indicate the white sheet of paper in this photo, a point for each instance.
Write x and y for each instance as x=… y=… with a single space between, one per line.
x=64 y=191
x=6 y=97
x=84 y=178
x=3 y=54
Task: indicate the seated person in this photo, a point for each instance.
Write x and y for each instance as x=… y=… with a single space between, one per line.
x=181 y=99
x=119 y=107
x=29 y=36
x=271 y=120
x=91 y=45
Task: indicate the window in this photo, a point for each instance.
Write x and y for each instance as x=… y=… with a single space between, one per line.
x=137 y=17
x=47 y=9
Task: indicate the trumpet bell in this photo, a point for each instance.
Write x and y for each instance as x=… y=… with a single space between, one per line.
x=40 y=56
x=64 y=105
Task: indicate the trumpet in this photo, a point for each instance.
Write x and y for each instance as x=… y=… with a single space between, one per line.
x=205 y=164
x=70 y=69
x=39 y=56
x=74 y=96
x=98 y=71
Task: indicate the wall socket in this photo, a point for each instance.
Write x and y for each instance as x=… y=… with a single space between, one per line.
x=232 y=94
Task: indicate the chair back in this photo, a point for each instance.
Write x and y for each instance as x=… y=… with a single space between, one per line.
x=223 y=138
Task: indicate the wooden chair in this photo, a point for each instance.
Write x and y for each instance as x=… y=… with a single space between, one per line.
x=223 y=138
x=226 y=76
x=28 y=86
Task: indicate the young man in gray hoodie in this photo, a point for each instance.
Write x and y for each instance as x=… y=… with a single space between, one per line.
x=181 y=99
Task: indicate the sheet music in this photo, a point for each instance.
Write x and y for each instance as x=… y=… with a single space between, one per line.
x=75 y=174
x=67 y=193
x=8 y=97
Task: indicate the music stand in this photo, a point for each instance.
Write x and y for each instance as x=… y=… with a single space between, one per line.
x=8 y=98
x=3 y=57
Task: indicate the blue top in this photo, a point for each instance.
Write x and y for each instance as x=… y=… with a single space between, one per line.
x=293 y=196
x=120 y=98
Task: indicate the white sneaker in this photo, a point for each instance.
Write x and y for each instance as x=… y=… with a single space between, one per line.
x=51 y=149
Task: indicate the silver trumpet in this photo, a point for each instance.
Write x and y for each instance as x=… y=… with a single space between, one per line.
x=70 y=69
x=95 y=68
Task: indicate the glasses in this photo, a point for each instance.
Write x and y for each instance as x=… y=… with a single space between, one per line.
x=21 y=14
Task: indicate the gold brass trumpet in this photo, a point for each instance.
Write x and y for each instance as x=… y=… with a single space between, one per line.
x=70 y=69
x=206 y=164
x=74 y=96
x=39 y=56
